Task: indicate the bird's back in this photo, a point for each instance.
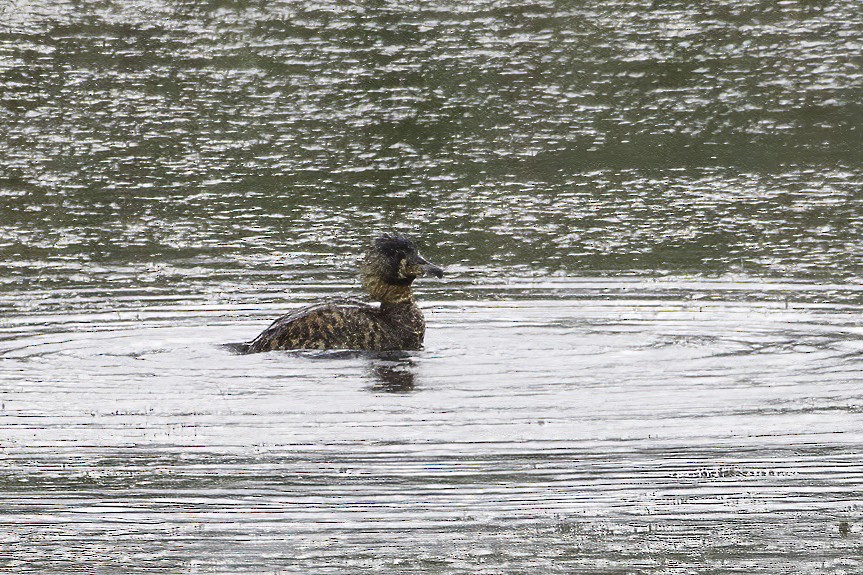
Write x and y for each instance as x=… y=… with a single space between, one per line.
x=336 y=324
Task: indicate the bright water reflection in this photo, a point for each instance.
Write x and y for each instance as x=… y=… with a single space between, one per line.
x=645 y=357
x=182 y=144
x=595 y=435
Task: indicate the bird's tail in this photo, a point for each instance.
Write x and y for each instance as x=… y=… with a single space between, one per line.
x=238 y=348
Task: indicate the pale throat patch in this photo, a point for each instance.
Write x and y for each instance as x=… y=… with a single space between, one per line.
x=408 y=271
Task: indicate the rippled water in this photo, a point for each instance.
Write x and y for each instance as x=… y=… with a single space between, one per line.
x=654 y=428
x=645 y=356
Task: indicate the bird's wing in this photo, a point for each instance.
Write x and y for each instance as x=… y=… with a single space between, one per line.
x=336 y=324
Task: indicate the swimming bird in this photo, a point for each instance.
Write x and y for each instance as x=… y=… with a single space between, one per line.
x=388 y=269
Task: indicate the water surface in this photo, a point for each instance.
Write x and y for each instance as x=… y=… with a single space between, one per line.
x=645 y=356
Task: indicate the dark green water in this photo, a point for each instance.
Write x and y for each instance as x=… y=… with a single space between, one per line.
x=645 y=357
x=190 y=140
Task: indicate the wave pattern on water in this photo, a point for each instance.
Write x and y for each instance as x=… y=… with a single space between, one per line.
x=646 y=359
x=148 y=142
x=654 y=431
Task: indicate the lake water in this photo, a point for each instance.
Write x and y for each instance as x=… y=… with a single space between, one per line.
x=645 y=356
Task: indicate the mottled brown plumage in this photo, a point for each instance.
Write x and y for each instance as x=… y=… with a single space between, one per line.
x=388 y=269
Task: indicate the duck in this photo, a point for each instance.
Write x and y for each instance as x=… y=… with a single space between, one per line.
x=389 y=267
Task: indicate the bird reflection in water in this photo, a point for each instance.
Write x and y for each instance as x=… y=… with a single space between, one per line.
x=393 y=375
x=391 y=371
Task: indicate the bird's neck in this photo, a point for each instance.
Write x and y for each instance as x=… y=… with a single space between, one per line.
x=388 y=294
x=398 y=308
